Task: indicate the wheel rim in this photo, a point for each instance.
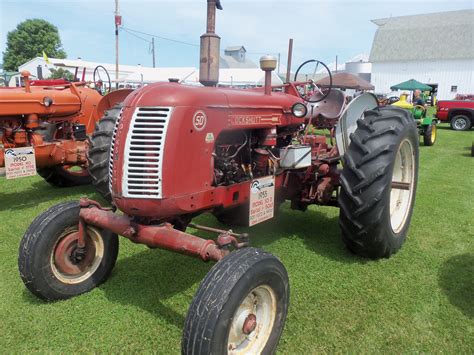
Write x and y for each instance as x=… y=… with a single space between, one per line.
x=402 y=186
x=460 y=123
x=433 y=133
x=70 y=268
x=253 y=322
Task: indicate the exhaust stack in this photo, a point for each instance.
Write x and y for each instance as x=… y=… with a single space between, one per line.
x=210 y=48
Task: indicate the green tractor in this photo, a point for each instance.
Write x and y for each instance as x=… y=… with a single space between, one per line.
x=426 y=125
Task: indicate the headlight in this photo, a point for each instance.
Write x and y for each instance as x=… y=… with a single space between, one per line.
x=299 y=110
x=47 y=101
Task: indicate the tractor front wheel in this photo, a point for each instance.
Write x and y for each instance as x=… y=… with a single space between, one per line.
x=430 y=134
x=52 y=266
x=378 y=182
x=99 y=151
x=240 y=306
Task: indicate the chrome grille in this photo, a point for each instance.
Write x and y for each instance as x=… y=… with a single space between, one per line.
x=144 y=152
x=111 y=159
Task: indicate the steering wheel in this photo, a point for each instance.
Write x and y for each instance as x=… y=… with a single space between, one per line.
x=317 y=88
x=101 y=73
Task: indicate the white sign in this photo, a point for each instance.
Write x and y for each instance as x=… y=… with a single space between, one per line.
x=20 y=162
x=262 y=200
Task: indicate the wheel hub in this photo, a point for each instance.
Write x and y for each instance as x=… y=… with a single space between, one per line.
x=250 y=324
x=246 y=335
x=72 y=264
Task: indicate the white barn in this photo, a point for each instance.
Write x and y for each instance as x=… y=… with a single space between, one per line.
x=436 y=49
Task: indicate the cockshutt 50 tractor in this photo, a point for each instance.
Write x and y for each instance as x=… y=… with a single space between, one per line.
x=50 y=121
x=179 y=151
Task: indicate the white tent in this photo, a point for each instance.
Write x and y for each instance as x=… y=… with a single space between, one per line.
x=239 y=77
x=153 y=75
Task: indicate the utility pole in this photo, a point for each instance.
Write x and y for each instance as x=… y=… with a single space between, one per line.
x=153 y=49
x=118 y=22
x=336 y=63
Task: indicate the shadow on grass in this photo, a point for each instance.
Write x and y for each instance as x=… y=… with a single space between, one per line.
x=150 y=277
x=319 y=233
x=39 y=192
x=457 y=281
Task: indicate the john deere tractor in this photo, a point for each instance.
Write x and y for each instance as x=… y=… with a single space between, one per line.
x=426 y=125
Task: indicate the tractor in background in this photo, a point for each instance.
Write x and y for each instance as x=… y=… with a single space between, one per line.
x=178 y=151
x=45 y=126
x=427 y=126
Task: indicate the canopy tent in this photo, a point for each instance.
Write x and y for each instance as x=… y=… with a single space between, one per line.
x=346 y=81
x=238 y=77
x=153 y=75
x=411 y=85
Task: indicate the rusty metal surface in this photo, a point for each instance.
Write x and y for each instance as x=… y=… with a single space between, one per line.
x=210 y=48
x=162 y=236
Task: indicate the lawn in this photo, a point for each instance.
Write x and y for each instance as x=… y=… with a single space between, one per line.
x=420 y=300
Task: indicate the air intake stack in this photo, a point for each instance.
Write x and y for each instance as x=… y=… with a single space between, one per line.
x=210 y=48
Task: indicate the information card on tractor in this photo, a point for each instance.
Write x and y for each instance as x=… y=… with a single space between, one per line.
x=262 y=200
x=20 y=162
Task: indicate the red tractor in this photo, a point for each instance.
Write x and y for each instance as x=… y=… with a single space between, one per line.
x=45 y=126
x=180 y=151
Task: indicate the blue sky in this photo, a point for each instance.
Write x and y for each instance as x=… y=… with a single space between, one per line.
x=321 y=28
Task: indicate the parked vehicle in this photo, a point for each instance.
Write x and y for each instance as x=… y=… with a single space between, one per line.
x=44 y=127
x=178 y=151
x=426 y=125
x=458 y=113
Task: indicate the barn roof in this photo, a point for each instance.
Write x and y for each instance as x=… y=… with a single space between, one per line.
x=442 y=35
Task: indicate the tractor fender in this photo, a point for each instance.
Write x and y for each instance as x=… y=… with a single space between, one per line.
x=110 y=100
x=427 y=121
x=348 y=122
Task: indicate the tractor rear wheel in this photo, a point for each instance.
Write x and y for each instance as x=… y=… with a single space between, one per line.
x=99 y=151
x=65 y=176
x=240 y=306
x=430 y=134
x=51 y=265
x=378 y=182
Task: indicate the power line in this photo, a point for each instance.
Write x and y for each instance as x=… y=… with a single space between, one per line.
x=160 y=37
x=134 y=35
x=129 y=30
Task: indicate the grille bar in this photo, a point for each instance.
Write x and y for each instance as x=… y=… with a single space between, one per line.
x=142 y=176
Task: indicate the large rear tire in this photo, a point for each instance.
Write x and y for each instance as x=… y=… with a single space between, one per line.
x=65 y=176
x=240 y=306
x=99 y=151
x=52 y=267
x=378 y=182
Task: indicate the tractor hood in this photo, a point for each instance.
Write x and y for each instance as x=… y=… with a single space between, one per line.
x=176 y=95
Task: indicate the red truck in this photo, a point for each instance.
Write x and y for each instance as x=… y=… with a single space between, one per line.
x=458 y=113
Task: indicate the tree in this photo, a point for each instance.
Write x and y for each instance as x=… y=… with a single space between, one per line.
x=29 y=40
x=61 y=73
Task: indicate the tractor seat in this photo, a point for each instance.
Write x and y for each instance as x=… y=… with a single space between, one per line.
x=330 y=108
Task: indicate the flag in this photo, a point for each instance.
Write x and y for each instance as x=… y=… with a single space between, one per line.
x=46 y=59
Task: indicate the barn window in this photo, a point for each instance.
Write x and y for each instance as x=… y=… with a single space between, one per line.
x=454 y=88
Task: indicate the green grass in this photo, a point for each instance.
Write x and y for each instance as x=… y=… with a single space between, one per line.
x=420 y=300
